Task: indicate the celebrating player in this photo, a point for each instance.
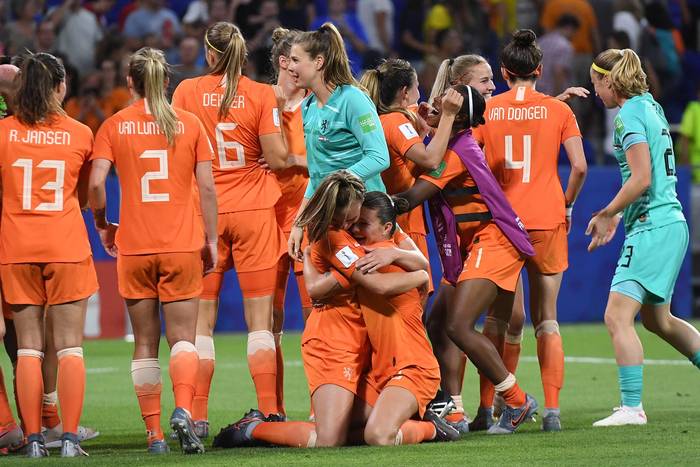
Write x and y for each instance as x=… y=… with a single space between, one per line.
x=243 y=122
x=656 y=234
x=43 y=155
x=159 y=153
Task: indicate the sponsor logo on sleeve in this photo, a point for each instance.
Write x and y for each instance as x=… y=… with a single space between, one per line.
x=346 y=256
x=408 y=131
x=367 y=123
x=276 y=117
x=437 y=173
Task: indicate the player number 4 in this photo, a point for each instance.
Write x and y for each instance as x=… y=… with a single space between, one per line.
x=523 y=164
x=56 y=185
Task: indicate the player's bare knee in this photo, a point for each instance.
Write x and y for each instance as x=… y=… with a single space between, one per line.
x=378 y=435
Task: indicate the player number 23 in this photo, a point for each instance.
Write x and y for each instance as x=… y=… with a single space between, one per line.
x=56 y=185
x=523 y=164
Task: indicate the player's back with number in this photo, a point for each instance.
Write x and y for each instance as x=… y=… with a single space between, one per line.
x=522 y=137
x=41 y=165
x=642 y=118
x=157 y=211
x=241 y=183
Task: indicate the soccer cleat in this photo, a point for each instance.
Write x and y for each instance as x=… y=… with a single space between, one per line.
x=201 y=429
x=10 y=435
x=53 y=436
x=624 y=416
x=443 y=430
x=181 y=423
x=158 y=446
x=70 y=447
x=512 y=418
x=551 y=420
x=240 y=433
x=276 y=417
x=458 y=421
x=441 y=405
x=498 y=404
x=35 y=447
x=483 y=420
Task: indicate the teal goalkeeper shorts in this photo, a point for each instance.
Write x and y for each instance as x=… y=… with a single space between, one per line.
x=652 y=259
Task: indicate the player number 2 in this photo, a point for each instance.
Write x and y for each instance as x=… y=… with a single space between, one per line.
x=160 y=174
x=222 y=145
x=669 y=158
x=56 y=185
x=527 y=156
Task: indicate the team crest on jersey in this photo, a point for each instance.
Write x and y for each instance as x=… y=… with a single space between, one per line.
x=408 y=131
x=367 y=123
x=437 y=173
x=324 y=126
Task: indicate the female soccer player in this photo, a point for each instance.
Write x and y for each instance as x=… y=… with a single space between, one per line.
x=341 y=125
x=656 y=234
x=332 y=346
x=44 y=155
x=293 y=180
x=521 y=139
x=243 y=122
x=393 y=87
x=159 y=152
x=492 y=262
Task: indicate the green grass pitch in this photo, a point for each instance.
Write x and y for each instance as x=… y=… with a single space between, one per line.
x=671 y=399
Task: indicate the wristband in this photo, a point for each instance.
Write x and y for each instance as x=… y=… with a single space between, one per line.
x=569 y=209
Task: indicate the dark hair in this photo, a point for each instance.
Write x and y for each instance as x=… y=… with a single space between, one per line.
x=39 y=76
x=282 y=40
x=387 y=207
x=478 y=107
x=522 y=55
x=385 y=81
x=568 y=20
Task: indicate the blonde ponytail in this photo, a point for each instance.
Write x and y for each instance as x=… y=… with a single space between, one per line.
x=624 y=68
x=327 y=42
x=370 y=81
x=226 y=41
x=454 y=71
x=149 y=72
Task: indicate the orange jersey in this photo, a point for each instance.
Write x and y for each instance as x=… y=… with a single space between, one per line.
x=395 y=327
x=293 y=180
x=41 y=219
x=241 y=183
x=462 y=194
x=521 y=139
x=400 y=136
x=157 y=212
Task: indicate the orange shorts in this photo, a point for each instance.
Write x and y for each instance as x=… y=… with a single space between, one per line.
x=421 y=241
x=282 y=275
x=551 y=250
x=6 y=310
x=48 y=283
x=166 y=276
x=421 y=382
x=249 y=241
x=253 y=284
x=334 y=349
x=492 y=256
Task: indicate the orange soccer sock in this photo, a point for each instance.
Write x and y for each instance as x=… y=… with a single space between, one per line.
x=5 y=411
x=205 y=373
x=184 y=365
x=30 y=387
x=550 y=353
x=262 y=363
x=292 y=434
x=71 y=387
x=279 y=357
x=414 y=432
x=511 y=392
x=511 y=352
x=495 y=330
x=145 y=373
x=49 y=410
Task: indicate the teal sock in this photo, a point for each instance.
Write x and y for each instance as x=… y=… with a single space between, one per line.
x=630 y=378
x=696 y=359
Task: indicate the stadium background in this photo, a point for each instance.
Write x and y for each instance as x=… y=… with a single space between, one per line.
x=95 y=37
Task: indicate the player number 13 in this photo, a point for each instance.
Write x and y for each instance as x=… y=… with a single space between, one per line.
x=56 y=185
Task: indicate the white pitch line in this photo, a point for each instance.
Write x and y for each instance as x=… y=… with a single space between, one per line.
x=526 y=358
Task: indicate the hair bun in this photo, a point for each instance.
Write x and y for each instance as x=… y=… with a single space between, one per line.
x=524 y=37
x=279 y=35
x=401 y=205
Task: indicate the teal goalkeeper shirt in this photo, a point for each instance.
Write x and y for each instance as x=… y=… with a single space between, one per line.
x=641 y=120
x=344 y=134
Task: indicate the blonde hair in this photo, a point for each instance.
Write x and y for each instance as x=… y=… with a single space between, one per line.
x=149 y=72
x=226 y=41
x=337 y=191
x=327 y=42
x=624 y=68
x=451 y=72
x=384 y=82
